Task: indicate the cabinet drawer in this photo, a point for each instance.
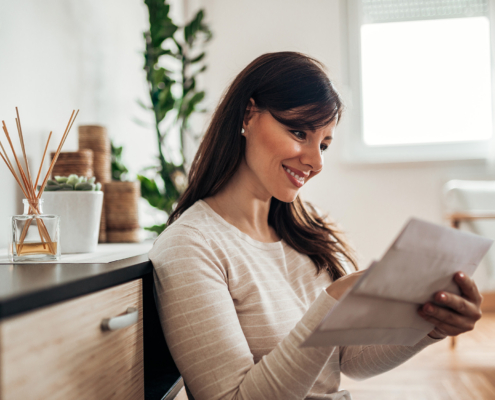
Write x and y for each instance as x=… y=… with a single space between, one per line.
x=61 y=351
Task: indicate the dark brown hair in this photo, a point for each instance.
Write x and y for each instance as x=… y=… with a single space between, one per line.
x=296 y=91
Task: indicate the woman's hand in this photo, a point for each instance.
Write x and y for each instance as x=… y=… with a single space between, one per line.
x=462 y=313
x=341 y=285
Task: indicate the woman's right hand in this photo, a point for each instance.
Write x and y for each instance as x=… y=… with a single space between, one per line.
x=341 y=285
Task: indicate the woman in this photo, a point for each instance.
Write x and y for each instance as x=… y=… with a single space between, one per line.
x=246 y=270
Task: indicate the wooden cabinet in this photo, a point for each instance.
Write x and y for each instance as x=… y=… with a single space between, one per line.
x=182 y=395
x=62 y=352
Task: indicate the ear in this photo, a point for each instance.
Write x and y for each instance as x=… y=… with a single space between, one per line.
x=248 y=115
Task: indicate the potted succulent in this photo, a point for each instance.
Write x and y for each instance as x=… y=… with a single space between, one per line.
x=78 y=201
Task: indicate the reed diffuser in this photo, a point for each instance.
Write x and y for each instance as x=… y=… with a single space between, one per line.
x=35 y=236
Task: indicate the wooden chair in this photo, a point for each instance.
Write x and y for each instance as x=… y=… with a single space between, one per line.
x=455 y=220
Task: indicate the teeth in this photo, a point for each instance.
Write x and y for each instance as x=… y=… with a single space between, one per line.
x=299 y=178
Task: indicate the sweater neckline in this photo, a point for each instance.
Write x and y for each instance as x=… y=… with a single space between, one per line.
x=238 y=232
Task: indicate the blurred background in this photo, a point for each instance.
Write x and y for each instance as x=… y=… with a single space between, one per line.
x=60 y=55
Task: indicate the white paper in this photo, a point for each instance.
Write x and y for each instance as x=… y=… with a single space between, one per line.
x=381 y=308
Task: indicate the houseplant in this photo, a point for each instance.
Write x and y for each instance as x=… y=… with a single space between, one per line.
x=174 y=58
x=78 y=201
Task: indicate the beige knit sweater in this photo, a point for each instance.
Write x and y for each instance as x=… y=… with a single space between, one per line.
x=234 y=312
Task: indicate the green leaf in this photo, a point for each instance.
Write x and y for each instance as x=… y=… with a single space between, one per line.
x=191 y=104
x=193 y=27
x=116 y=151
x=150 y=191
x=202 y=69
x=158 y=75
x=161 y=26
x=137 y=121
x=141 y=103
x=156 y=228
x=166 y=103
x=198 y=58
x=118 y=168
x=189 y=85
x=161 y=75
x=179 y=47
x=163 y=52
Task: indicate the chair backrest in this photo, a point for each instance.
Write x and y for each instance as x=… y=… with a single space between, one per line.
x=475 y=196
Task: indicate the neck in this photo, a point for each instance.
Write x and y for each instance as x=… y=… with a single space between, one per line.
x=242 y=204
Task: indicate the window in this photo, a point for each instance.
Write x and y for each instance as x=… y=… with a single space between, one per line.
x=420 y=75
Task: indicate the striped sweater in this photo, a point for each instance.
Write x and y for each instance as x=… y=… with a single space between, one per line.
x=235 y=310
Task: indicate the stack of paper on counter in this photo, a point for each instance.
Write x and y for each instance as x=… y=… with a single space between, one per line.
x=381 y=308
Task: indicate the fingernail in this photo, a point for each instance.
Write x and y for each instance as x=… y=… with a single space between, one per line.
x=428 y=309
x=461 y=275
x=442 y=297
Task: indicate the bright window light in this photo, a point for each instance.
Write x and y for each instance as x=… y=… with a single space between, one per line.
x=426 y=81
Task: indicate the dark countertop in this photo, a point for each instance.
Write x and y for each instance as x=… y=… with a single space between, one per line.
x=26 y=287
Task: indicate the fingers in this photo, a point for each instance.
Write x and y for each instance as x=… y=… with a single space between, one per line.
x=468 y=288
x=462 y=306
x=461 y=312
x=442 y=327
x=446 y=320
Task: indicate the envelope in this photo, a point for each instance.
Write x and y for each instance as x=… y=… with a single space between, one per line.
x=381 y=307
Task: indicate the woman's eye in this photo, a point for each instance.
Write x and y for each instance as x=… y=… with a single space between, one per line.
x=299 y=134
x=323 y=147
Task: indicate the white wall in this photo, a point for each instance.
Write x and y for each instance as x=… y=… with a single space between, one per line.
x=60 y=55
x=371 y=202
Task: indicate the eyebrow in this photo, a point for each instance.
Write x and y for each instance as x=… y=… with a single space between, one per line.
x=313 y=132
x=325 y=138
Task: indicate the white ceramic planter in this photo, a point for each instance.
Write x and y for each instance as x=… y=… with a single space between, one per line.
x=80 y=214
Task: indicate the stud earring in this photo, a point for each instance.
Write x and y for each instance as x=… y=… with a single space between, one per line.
x=242 y=130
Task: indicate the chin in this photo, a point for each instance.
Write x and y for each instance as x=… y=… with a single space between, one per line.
x=287 y=197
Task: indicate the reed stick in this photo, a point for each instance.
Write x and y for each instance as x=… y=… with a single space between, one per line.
x=25 y=180
x=42 y=160
x=21 y=171
x=54 y=160
x=19 y=131
x=6 y=158
x=29 y=191
x=11 y=168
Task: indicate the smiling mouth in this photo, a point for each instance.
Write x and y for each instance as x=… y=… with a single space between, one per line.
x=293 y=177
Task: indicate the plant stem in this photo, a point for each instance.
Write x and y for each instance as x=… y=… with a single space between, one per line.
x=150 y=66
x=182 y=122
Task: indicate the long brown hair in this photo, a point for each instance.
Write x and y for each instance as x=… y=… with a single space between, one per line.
x=277 y=82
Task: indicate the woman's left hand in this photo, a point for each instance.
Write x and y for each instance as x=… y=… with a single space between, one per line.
x=462 y=313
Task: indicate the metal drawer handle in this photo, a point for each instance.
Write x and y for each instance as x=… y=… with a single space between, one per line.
x=122 y=321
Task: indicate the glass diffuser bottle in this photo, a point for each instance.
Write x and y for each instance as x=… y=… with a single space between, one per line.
x=35 y=236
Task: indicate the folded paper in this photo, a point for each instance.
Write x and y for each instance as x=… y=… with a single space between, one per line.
x=381 y=308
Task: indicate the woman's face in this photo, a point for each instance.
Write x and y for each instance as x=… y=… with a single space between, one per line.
x=279 y=159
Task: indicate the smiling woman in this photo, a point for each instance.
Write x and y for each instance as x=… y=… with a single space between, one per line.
x=272 y=146
x=280 y=111
x=246 y=270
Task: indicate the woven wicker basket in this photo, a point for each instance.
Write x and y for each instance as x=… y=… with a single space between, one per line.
x=121 y=211
x=95 y=138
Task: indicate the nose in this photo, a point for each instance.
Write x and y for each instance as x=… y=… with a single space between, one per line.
x=312 y=157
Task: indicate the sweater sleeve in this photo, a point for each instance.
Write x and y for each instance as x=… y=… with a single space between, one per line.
x=205 y=337
x=361 y=362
